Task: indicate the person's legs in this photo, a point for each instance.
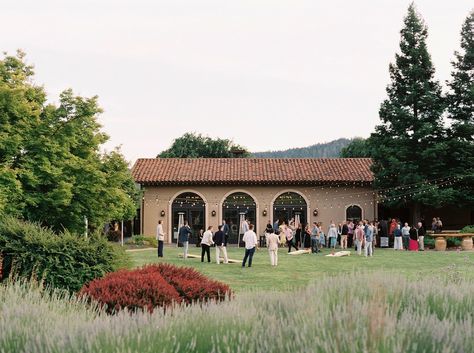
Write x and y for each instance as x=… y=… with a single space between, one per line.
x=160 y=248
x=208 y=251
x=203 y=250
x=251 y=252
x=245 y=257
x=275 y=256
x=218 y=254
x=185 y=249
x=406 y=241
x=366 y=249
x=359 y=246
x=224 y=253
x=421 y=241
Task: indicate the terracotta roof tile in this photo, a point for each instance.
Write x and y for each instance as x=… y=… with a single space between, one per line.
x=256 y=171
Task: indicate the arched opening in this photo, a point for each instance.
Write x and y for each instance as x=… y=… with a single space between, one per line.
x=353 y=213
x=189 y=207
x=236 y=207
x=290 y=206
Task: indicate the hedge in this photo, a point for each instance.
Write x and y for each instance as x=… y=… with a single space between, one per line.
x=63 y=260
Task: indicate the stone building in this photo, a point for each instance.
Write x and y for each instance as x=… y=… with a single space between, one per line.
x=205 y=191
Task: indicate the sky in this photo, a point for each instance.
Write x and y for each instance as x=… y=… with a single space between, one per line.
x=267 y=74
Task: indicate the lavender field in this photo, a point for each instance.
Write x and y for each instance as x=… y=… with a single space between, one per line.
x=343 y=313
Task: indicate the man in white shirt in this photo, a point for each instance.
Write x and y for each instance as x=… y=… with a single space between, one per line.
x=206 y=243
x=250 y=240
x=160 y=236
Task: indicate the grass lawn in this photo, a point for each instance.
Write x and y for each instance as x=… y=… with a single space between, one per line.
x=297 y=271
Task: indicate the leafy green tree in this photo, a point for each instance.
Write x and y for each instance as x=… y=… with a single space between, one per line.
x=409 y=145
x=461 y=112
x=357 y=148
x=192 y=145
x=51 y=167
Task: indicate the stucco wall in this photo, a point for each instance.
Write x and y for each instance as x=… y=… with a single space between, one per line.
x=331 y=203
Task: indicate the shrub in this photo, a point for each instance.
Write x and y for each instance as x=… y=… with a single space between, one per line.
x=141 y=240
x=131 y=290
x=468 y=229
x=62 y=260
x=191 y=285
x=154 y=286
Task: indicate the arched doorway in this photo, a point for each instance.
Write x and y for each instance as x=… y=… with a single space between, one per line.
x=190 y=207
x=354 y=213
x=237 y=206
x=290 y=205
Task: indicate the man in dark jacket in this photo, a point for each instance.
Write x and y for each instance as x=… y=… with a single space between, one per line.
x=421 y=236
x=183 y=237
x=219 y=240
x=225 y=230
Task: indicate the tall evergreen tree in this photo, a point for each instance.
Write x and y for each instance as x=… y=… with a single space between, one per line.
x=408 y=146
x=461 y=112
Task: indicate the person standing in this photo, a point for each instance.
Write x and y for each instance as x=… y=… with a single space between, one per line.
x=344 y=234
x=315 y=238
x=298 y=235
x=397 y=236
x=160 y=236
x=421 y=236
x=183 y=236
x=413 y=239
x=272 y=245
x=350 y=234
x=406 y=236
x=290 y=238
x=250 y=240
x=225 y=230
x=332 y=235
x=206 y=243
x=369 y=238
x=219 y=240
x=359 y=237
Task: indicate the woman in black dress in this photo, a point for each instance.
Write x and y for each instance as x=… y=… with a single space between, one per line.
x=307 y=237
x=298 y=235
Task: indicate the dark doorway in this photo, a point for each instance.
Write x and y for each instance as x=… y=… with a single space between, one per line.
x=235 y=207
x=193 y=209
x=290 y=205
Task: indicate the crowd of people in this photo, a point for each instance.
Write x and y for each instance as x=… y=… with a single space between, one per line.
x=363 y=235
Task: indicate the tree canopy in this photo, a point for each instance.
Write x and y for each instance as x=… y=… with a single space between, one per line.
x=193 y=145
x=51 y=167
x=409 y=146
x=357 y=148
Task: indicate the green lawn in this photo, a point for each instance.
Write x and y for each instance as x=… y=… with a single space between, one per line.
x=296 y=271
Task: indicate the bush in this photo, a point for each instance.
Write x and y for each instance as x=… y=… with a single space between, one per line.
x=153 y=286
x=62 y=260
x=191 y=285
x=468 y=229
x=131 y=290
x=140 y=240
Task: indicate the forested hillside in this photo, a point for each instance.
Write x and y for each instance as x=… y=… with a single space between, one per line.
x=329 y=149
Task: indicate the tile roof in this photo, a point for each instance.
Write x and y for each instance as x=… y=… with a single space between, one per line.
x=251 y=171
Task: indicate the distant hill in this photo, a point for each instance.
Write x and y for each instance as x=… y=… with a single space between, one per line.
x=328 y=150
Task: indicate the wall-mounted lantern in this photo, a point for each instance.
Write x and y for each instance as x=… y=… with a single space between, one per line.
x=315 y=213
x=264 y=213
x=162 y=213
x=213 y=213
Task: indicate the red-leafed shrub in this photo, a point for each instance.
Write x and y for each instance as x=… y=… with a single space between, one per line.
x=132 y=290
x=154 y=286
x=191 y=285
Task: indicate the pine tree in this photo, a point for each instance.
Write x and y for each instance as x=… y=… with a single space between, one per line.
x=461 y=112
x=408 y=146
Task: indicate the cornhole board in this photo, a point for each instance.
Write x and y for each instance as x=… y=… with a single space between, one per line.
x=340 y=254
x=299 y=252
x=191 y=256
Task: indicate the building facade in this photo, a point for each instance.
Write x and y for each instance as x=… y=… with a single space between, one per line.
x=205 y=192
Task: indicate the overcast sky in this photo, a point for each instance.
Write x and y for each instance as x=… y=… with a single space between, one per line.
x=267 y=74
